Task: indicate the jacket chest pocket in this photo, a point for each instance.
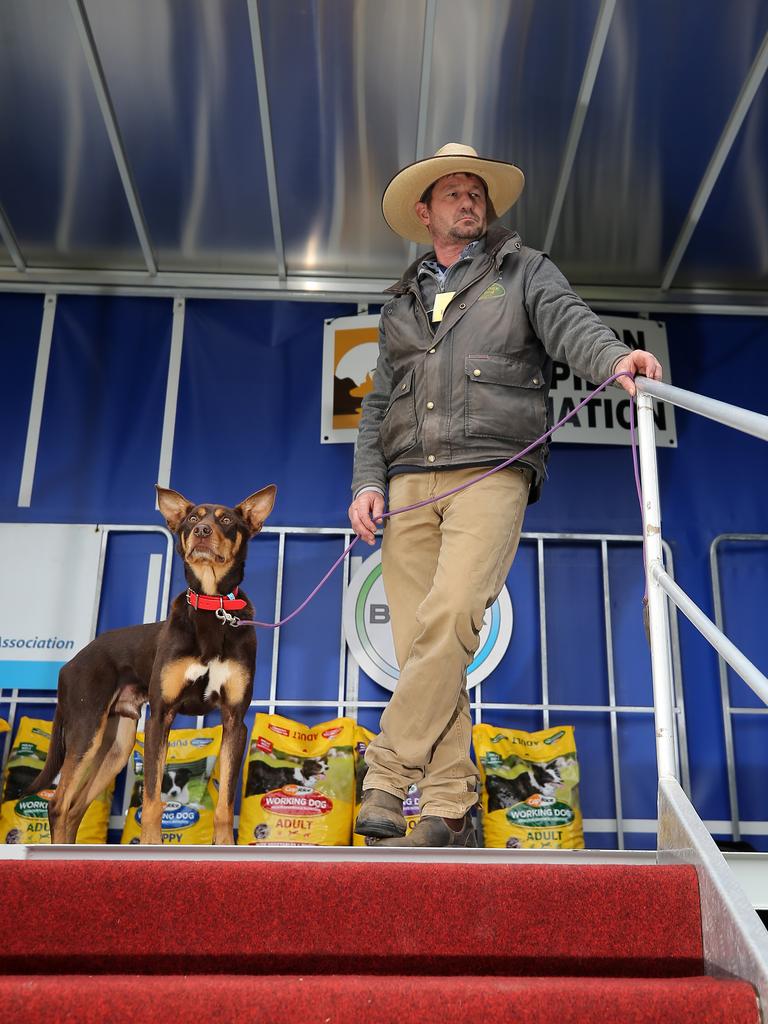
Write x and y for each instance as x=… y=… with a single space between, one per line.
x=398 y=427
x=504 y=397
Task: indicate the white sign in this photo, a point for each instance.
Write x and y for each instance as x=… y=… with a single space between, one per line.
x=369 y=634
x=48 y=599
x=605 y=420
x=350 y=348
x=350 y=351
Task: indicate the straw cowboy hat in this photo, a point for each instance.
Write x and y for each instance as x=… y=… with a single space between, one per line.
x=505 y=183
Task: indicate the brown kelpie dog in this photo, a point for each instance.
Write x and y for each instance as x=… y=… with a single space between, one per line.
x=189 y=664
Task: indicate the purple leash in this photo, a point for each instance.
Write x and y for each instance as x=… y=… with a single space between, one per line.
x=234 y=621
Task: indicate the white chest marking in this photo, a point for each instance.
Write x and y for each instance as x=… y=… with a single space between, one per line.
x=218 y=673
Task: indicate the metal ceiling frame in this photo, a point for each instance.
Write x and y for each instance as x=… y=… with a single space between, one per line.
x=171 y=394
x=303 y=287
x=430 y=13
x=596 y=50
x=266 y=135
x=11 y=242
x=298 y=288
x=722 y=149
x=32 y=442
x=113 y=131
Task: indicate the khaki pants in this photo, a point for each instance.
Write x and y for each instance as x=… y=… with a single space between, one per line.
x=442 y=565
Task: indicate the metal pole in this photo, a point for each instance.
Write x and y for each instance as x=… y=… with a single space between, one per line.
x=430 y=13
x=748 y=422
x=730 y=131
x=677 y=676
x=657 y=603
x=276 y=632
x=36 y=405
x=725 y=696
x=171 y=394
x=543 y=632
x=104 y=99
x=266 y=135
x=11 y=242
x=612 y=696
x=750 y=673
x=591 y=68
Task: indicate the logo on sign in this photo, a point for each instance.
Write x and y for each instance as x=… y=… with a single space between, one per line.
x=32 y=807
x=175 y=815
x=369 y=634
x=298 y=800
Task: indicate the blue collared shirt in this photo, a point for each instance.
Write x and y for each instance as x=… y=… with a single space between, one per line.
x=438 y=271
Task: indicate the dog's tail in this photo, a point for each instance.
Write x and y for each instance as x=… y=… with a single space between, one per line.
x=53 y=761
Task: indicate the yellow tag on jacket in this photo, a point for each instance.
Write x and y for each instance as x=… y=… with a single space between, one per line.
x=441 y=304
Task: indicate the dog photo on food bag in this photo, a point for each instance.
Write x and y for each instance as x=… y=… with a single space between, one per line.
x=179 y=783
x=538 y=778
x=263 y=778
x=189 y=664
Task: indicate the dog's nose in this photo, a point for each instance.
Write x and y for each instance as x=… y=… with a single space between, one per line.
x=202 y=530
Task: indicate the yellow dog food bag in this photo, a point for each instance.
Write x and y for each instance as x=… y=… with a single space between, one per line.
x=24 y=819
x=188 y=790
x=298 y=784
x=530 y=788
x=411 y=804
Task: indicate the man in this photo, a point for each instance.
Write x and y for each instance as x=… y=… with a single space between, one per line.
x=466 y=347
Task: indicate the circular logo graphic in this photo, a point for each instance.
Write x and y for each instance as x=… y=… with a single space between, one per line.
x=175 y=815
x=369 y=635
x=33 y=806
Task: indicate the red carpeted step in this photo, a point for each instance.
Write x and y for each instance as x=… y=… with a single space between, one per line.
x=351 y=999
x=348 y=918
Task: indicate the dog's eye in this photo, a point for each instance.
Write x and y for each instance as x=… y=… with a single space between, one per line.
x=226 y=520
x=192 y=518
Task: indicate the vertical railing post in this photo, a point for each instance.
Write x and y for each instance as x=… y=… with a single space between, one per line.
x=663 y=697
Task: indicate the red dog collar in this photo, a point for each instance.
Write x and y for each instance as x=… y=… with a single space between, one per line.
x=208 y=603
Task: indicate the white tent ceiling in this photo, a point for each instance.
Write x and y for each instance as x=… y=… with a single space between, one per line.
x=240 y=147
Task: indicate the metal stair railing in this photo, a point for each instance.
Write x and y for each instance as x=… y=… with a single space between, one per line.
x=734 y=938
x=660 y=584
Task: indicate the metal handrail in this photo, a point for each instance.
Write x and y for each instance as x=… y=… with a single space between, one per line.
x=727 y=650
x=745 y=420
x=734 y=938
x=660 y=585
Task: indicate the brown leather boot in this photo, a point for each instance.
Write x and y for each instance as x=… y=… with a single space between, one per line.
x=432 y=831
x=381 y=815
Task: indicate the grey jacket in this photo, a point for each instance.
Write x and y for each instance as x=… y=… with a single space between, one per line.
x=473 y=388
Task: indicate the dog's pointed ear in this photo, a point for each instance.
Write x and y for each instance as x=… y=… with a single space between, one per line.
x=256 y=507
x=173 y=506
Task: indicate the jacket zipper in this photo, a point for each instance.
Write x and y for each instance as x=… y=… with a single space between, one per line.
x=416 y=292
